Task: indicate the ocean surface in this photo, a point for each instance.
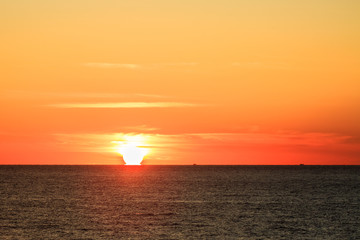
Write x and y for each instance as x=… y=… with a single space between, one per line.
x=179 y=202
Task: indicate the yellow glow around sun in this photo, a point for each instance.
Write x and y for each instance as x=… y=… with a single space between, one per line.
x=132 y=148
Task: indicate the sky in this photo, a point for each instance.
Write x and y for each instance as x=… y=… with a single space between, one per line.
x=192 y=81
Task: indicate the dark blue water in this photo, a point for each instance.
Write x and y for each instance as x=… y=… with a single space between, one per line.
x=179 y=202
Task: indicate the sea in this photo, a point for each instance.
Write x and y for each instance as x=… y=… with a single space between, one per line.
x=179 y=202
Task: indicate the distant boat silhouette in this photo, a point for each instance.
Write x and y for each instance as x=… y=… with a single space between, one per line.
x=301 y=164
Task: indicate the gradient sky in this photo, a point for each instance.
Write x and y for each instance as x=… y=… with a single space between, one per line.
x=206 y=82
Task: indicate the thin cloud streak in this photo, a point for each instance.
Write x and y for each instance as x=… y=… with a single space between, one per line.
x=47 y=95
x=124 y=105
x=113 y=65
x=310 y=140
x=179 y=147
x=141 y=128
x=133 y=66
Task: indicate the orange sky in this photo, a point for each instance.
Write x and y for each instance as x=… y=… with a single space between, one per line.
x=206 y=82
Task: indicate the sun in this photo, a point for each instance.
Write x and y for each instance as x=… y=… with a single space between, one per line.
x=132 y=155
x=133 y=149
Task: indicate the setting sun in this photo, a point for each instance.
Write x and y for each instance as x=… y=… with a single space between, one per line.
x=132 y=148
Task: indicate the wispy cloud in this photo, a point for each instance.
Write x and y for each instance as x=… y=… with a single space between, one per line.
x=124 y=105
x=82 y=95
x=113 y=65
x=281 y=138
x=134 y=66
x=242 y=146
x=310 y=140
x=140 y=128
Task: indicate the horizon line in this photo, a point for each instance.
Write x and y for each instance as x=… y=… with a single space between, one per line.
x=195 y=164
